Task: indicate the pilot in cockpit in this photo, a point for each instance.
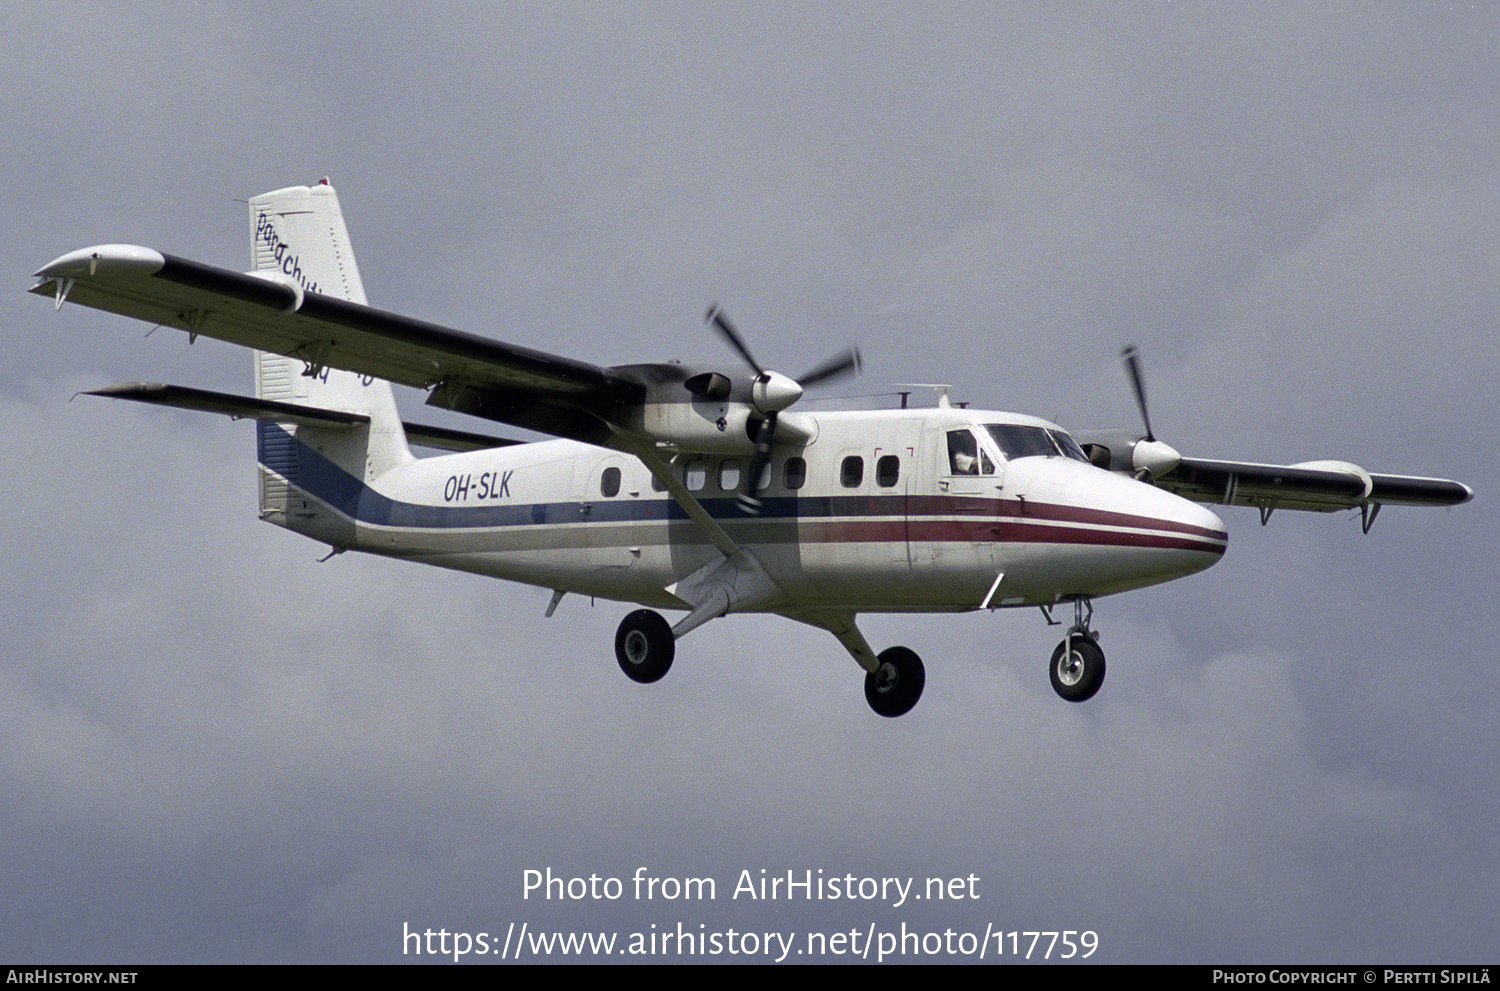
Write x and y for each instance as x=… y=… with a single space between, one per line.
x=963 y=453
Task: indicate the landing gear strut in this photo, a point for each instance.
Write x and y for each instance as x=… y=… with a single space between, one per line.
x=644 y=646
x=893 y=678
x=894 y=687
x=1077 y=667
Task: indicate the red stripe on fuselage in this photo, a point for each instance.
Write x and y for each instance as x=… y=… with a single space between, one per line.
x=1001 y=509
x=992 y=531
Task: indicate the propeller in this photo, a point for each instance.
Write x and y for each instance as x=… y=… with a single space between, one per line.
x=770 y=393
x=720 y=322
x=1149 y=457
x=834 y=368
x=1138 y=381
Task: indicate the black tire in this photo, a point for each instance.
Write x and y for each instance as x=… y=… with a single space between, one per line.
x=644 y=646
x=896 y=687
x=1077 y=678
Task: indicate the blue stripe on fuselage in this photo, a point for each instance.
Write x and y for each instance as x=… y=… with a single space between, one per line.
x=328 y=483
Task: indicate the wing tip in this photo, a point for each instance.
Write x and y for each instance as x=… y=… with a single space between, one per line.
x=110 y=259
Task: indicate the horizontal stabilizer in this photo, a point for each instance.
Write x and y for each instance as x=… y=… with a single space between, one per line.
x=238 y=407
x=446 y=439
x=244 y=407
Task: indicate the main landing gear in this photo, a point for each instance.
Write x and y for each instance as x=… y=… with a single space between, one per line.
x=894 y=688
x=1077 y=666
x=894 y=679
x=644 y=646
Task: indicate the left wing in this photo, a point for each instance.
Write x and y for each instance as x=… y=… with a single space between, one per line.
x=1315 y=486
x=1320 y=486
x=466 y=372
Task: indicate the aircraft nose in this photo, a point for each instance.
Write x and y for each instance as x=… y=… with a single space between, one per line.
x=1207 y=519
x=1192 y=535
x=1202 y=525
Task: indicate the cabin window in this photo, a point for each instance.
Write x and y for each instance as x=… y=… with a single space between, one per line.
x=729 y=475
x=695 y=475
x=609 y=482
x=852 y=472
x=887 y=470
x=794 y=474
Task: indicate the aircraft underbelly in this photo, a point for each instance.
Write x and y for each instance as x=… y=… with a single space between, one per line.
x=637 y=562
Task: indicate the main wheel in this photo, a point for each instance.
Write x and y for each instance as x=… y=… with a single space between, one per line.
x=1077 y=675
x=644 y=646
x=894 y=688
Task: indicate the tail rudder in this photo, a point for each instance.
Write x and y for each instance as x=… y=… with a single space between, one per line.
x=298 y=233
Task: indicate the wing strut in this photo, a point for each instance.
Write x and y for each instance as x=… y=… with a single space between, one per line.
x=662 y=472
x=737 y=580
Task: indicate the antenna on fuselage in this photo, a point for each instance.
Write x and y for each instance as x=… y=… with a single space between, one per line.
x=940 y=388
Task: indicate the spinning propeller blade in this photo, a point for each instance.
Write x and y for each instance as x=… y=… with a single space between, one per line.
x=1149 y=457
x=720 y=322
x=834 y=368
x=1138 y=381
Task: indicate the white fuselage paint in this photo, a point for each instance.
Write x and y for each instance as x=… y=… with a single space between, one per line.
x=905 y=534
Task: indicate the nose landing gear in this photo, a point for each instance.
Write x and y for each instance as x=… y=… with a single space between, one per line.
x=1077 y=666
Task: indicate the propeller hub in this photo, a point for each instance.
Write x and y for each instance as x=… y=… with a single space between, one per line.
x=1154 y=457
x=773 y=392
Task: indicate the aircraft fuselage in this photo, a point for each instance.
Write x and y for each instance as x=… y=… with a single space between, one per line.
x=871 y=515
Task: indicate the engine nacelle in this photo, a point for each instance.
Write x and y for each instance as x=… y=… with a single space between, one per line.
x=704 y=425
x=718 y=428
x=710 y=410
x=1128 y=451
x=1344 y=467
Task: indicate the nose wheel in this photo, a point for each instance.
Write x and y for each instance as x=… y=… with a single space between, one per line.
x=1077 y=666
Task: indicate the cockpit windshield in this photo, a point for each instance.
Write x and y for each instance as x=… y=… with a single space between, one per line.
x=1016 y=441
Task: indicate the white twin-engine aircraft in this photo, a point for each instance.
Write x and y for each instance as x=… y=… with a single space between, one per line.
x=682 y=487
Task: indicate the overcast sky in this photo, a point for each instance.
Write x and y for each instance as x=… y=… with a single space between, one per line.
x=214 y=748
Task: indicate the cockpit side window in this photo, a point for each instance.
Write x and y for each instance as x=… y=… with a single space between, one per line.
x=966 y=457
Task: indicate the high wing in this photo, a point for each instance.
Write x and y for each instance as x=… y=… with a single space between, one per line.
x=465 y=372
x=1319 y=486
x=1314 y=486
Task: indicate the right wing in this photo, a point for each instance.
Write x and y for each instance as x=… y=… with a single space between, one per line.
x=465 y=372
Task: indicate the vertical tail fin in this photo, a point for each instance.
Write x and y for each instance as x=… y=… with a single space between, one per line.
x=299 y=232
